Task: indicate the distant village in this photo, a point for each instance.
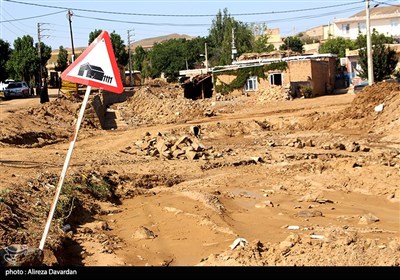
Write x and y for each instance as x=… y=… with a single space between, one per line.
x=306 y=74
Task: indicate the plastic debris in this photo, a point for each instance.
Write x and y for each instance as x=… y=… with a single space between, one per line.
x=379 y=108
x=314 y=236
x=293 y=227
x=238 y=241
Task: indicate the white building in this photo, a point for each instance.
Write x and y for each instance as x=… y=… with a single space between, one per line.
x=385 y=20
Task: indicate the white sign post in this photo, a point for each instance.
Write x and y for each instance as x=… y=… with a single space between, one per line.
x=95 y=67
x=65 y=167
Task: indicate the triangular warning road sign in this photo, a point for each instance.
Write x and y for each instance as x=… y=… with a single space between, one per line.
x=96 y=66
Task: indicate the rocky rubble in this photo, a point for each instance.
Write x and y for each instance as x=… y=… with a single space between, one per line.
x=184 y=147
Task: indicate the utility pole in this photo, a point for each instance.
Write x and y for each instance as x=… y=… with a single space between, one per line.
x=40 y=51
x=130 y=58
x=369 y=46
x=40 y=36
x=234 y=52
x=205 y=53
x=69 y=15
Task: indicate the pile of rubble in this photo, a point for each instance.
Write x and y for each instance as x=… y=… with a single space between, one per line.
x=184 y=147
x=161 y=105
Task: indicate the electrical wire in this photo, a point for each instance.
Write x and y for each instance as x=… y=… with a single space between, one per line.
x=183 y=15
x=39 y=16
x=145 y=23
x=386 y=3
x=201 y=24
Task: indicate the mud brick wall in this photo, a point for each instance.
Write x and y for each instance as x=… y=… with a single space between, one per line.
x=96 y=113
x=318 y=73
x=299 y=70
x=320 y=77
x=100 y=102
x=109 y=98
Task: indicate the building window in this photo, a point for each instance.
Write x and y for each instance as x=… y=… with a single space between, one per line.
x=275 y=79
x=394 y=25
x=345 y=28
x=251 y=84
x=362 y=28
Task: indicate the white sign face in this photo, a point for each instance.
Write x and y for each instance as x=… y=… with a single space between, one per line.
x=96 y=66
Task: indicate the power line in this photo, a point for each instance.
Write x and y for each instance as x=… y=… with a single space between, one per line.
x=16 y=27
x=147 y=23
x=387 y=3
x=208 y=24
x=184 y=15
x=10 y=15
x=305 y=17
x=45 y=15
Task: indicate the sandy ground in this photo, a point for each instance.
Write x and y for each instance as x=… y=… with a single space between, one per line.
x=239 y=181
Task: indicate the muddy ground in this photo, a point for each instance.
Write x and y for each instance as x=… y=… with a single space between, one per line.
x=236 y=181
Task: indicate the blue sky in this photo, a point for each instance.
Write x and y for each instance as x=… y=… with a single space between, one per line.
x=155 y=18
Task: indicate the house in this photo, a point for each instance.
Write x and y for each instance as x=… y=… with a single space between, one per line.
x=385 y=20
x=317 y=35
x=314 y=72
x=135 y=79
x=274 y=37
x=320 y=33
x=350 y=62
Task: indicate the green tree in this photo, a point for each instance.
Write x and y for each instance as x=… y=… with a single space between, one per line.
x=93 y=35
x=119 y=48
x=139 y=57
x=293 y=43
x=5 y=52
x=168 y=57
x=195 y=52
x=261 y=44
x=45 y=56
x=220 y=38
x=24 y=60
x=62 y=59
x=120 y=51
x=261 y=38
x=337 y=46
x=384 y=59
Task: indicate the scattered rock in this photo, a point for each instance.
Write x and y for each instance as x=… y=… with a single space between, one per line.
x=368 y=219
x=144 y=233
x=309 y=213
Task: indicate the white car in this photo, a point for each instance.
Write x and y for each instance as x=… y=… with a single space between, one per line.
x=4 y=85
x=17 y=89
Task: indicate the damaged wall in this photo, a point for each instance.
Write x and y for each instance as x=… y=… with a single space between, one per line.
x=198 y=87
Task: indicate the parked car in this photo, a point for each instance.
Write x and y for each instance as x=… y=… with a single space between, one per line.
x=360 y=86
x=4 y=85
x=17 y=89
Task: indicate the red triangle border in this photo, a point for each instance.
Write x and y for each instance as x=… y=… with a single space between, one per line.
x=119 y=88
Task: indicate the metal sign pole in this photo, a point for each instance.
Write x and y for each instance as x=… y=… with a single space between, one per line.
x=65 y=167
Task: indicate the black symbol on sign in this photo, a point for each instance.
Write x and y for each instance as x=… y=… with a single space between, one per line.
x=93 y=72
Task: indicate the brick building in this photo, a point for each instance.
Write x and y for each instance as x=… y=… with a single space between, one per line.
x=314 y=72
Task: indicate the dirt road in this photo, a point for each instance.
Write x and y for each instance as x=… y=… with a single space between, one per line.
x=309 y=182
x=7 y=107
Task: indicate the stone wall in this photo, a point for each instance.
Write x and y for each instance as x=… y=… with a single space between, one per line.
x=100 y=102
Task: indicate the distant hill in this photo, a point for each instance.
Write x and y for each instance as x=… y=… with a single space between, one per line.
x=145 y=43
x=149 y=42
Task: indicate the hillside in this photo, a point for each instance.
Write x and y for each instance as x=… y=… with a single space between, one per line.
x=149 y=42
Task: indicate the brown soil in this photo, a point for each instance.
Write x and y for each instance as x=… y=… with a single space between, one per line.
x=308 y=182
